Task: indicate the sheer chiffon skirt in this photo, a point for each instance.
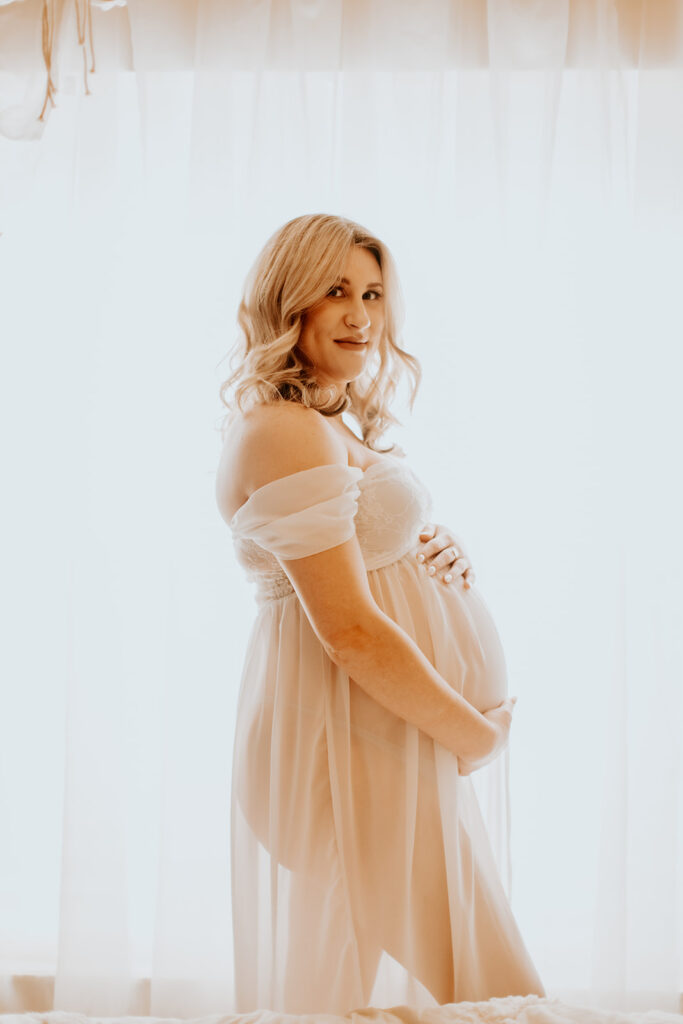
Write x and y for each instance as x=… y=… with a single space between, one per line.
x=363 y=870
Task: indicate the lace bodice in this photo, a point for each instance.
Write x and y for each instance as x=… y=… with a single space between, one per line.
x=306 y=512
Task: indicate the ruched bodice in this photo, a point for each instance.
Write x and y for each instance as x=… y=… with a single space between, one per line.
x=386 y=505
x=364 y=872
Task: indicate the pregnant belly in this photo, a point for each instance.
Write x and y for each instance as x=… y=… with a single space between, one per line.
x=484 y=673
x=453 y=627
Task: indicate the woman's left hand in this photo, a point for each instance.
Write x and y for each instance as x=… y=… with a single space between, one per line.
x=443 y=554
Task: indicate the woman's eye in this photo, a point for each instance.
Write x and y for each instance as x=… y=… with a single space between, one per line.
x=338 y=288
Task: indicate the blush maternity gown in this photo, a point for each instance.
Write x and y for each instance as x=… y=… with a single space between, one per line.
x=365 y=870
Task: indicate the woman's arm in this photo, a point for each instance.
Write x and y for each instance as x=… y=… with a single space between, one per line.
x=333 y=588
x=391 y=668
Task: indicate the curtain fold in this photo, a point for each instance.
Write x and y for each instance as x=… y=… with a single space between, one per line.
x=524 y=164
x=42 y=40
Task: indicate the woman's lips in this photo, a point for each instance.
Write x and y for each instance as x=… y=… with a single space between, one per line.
x=351 y=344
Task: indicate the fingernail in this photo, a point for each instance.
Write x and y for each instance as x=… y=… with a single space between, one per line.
x=420 y=558
x=447 y=578
x=431 y=570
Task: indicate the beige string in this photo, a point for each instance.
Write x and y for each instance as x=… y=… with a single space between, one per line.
x=84 y=25
x=85 y=21
x=48 y=27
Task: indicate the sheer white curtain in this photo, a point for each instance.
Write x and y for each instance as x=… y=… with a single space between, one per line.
x=524 y=164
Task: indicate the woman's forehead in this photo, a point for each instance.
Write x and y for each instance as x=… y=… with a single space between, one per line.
x=362 y=260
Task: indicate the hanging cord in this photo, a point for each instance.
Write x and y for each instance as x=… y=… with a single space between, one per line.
x=84 y=21
x=48 y=27
x=84 y=25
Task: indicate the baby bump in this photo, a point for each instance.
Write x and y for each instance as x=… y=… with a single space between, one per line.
x=453 y=627
x=473 y=659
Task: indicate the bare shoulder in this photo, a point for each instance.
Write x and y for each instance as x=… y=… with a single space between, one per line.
x=270 y=441
x=285 y=438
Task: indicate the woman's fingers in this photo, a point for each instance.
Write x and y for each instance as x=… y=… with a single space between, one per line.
x=448 y=557
x=452 y=559
x=509 y=705
x=443 y=556
x=451 y=569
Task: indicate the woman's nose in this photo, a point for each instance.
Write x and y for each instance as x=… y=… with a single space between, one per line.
x=357 y=316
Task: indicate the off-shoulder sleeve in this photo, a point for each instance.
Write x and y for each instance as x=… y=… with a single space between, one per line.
x=302 y=513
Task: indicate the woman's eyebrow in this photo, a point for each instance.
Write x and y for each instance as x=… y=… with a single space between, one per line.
x=373 y=284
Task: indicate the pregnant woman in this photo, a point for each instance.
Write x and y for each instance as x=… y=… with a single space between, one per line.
x=373 y=684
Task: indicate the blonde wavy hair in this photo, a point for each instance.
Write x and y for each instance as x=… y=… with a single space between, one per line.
x=295 y=270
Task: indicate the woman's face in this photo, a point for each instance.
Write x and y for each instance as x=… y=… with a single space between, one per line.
x=353 y=309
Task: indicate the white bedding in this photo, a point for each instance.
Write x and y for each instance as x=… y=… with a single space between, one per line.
x=511 y=1010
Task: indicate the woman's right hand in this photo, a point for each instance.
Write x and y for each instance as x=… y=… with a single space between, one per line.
x=500 y=718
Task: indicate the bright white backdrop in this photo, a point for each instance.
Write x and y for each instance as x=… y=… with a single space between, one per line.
x=533 y=204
